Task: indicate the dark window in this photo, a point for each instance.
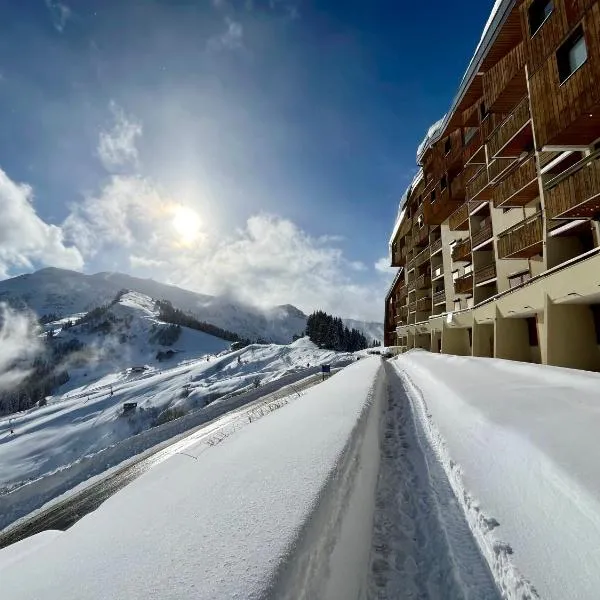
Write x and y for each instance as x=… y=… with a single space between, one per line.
x=596 y=312
x=483 y=112
x=433 y=196
x=444 y=183
x=470 y=331
x=447 y=146
x=539 y=11
x=532 y=330
x=571 y=55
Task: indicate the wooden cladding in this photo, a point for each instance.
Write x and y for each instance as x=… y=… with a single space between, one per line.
x=519 y=187
x=524 y=240
x=485 y=273
x=439 y=210
x=473 y=151
x=405 y=227
x=483 y=235
x=422 y=257
x=568 y=114
x=439 y=298
x=464 y=284
x=423 y=305
x=478 y=188
x=459 y=219
x=490 y=123
x=452 y=146
x=457 y=188
x=462 y=251
x=420 y=236
x=576 y=193
x=514 y=135
x=423 y=282
x=505 y=83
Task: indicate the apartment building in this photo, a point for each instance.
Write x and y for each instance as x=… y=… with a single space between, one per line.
x=497 y=239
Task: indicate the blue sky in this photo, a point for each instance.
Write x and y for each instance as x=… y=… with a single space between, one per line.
x=255 y=148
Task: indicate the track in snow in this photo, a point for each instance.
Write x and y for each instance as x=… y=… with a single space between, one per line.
x=422 y=547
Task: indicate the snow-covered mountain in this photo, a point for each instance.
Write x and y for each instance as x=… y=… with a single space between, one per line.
x=65 y=293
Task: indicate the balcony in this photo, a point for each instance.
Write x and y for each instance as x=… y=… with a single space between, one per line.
x=439 y=298
x=420 y=236
x=397 y=259
x=483 y=235
x=423 y=282
x=462 y=251
x=519 y=187
x=410 y=264
x=436 y=246
x=575 y=194
x=490 y=123
x=473 y=151
x=485 y=273
x=478 y=188
x=457 y=189
x=498 y=168
x=401 y=295
x=464 y=284
x=423 y=305
x=459 y=219
x=523 y=240
x=505 y=83
x=405 y=227
x=412 y=307
x=514 y=135
x=422 y=258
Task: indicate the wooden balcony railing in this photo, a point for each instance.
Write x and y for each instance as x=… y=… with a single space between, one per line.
x=473 y=152
x=464 y=284
x=439 y=298
x=459 y=219
x=423 y=305
x=575 y=194
x=439 y=210
x=470 y=116
x=436 y=246
x=498 y=168
x=490 y=123
x=523 y=240
x=397 y=259
x=405 y=227
x=401 y=294
x=485 y=273
x=423 y=282
x=410 y=264
x=422 y=257
x=462 y=251
x=505 y=82
x=421 y=236
x=403 y=311
x=478 y=188
x=412 y=307
x=514 y=135
x=457 y=188
x=483 y=235
x=519 y=187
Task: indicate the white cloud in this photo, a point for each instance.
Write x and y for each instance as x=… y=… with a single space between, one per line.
x=18 y=344
x=25 y=239
x=231 y=39
x=383 y=265
x=60 y=14
x=141 y=262
x=117 y=147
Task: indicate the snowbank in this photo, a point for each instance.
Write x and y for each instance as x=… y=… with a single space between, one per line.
x=520 y=445
x=280 y=509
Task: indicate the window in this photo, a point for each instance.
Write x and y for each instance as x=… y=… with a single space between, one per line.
x=532 y=330
x=444 y=183
x=447 y=146
x=457 y=305
x=539 y=11
x=483 y=112
x=518 y=279
x=571 y=55
x=433 y=196
x=596 y=312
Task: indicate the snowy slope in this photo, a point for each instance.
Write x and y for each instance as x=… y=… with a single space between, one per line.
x=87 y=418
x=371 y=329
x=520 y=443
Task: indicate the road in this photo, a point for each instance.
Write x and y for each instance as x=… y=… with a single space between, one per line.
x=65 y=513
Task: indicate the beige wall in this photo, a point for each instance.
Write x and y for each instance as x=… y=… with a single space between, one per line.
x=483 y=339
x=456 y=341
x=511 y=339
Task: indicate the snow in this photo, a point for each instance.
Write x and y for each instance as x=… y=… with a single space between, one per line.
x=432 y=132
x=232 y=521
x=520 y=445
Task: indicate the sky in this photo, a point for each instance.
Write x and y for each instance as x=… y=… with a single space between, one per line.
x=255 y=148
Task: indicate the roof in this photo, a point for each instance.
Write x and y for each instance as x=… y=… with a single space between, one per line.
x=500 y=12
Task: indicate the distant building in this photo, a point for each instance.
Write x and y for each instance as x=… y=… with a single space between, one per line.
x=497 y=238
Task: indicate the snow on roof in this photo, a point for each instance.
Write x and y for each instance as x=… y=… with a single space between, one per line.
x=500 y=11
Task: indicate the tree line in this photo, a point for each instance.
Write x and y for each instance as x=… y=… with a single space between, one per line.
x=329 y=332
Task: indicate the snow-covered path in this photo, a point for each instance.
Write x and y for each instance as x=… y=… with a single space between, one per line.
x=422 y=546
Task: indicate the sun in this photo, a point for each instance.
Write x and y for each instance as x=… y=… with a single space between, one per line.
x=186 y=223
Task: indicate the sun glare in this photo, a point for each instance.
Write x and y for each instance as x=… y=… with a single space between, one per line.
x=186 y=223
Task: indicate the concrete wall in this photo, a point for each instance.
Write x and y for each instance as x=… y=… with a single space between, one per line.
x=483 y=339
x=456 y=341
x=511 y=339
x=571 y=337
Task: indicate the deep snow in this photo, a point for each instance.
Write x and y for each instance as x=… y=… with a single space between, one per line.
x=520 y=445
x=223 y=522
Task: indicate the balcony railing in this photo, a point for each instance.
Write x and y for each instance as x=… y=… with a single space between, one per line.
x=436 y=246
x=485 y=273
x=514 y=135
x=412 y=307
x=498 y=167
x=401 y=294
x=423 y=304
x=410 y=264
x=421 y=236
x=490 y=123
x=423 y=282
x=464 y=284
x=506 y=81
x=483 y=235
x=473 y=152
x=440 y=209
x=462 y=251
x=459 y=219
x=405 y=227
x=457 y=188
x=575 y=194
x=519 y=187
x=478 y=188
x=524 y=240
x=439 y=298
x=422 y=257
